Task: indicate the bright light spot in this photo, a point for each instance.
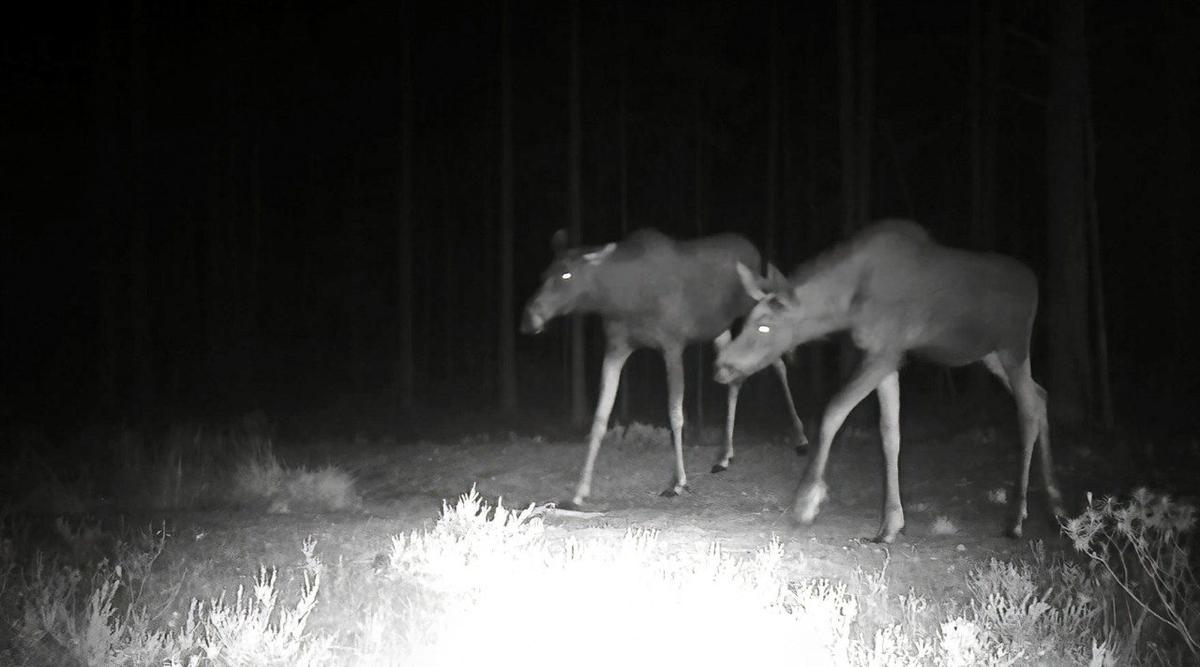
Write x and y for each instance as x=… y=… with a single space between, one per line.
x=566 y=275
x=489 y=580
x=762 y=328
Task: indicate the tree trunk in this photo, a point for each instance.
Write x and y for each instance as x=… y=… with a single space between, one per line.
x=1067 y=206
x=772 y=203
x=866 y=110
x=1100 y=318
x=106 y=143
x=507 y=353
x=575 y=215
x=253 y=264
x=846 y=116
x=623 y=177
x=139 y=298
x=452 y=338
x=851 y=124
x=1181 y=198
x=982 y=124
x=813 y=238
x=404 y=236
x=698 y=210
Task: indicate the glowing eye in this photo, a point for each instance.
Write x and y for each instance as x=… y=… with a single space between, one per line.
x=566 y=275
x=762 y=328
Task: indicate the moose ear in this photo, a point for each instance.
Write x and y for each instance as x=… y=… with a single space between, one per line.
x=775 y=279
x=559 y=242
x=599 y=255
x=750 y=282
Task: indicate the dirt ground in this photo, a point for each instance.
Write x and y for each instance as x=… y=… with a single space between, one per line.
x=947 y=470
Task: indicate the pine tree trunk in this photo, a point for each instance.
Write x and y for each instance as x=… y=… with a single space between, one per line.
x=1067 y=205
x=404 y=237
x=104 y=117
x=772 y=203
x=139 y=284
x=866 y=110
x=507 y=353
x=846 y=115
x=575 y=216
x=623 y=178
x=699 y=360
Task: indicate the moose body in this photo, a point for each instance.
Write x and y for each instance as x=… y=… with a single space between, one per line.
x=656 y=292
x=897 y=291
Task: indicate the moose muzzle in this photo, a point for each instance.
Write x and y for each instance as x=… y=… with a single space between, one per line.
x=531 y=322
x=726 y=374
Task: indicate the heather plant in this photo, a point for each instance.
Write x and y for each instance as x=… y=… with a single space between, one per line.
x=1144 y=547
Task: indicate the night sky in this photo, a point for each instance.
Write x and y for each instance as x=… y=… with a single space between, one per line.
x=255 y=148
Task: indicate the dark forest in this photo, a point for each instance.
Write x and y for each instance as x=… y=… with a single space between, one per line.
x=304 y=208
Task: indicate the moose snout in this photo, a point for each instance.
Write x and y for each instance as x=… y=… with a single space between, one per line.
x=531 y=322
x=726 y=373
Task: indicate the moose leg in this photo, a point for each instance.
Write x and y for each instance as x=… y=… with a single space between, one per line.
x=1038 y=410
x=722 y=464
x=889 y=430
x=812 y=489
x=610 y=379
x=730 y=417
x=801 y=439
x=674 y=361
x=1031 y=412
x=1053 y=495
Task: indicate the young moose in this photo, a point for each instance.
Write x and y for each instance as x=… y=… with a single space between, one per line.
x=897 y=291
x=653 y=291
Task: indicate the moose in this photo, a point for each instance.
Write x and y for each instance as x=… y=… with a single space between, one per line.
x=897 y=291
x=654 y=291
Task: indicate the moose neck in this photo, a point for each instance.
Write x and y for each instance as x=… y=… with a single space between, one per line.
x=826 y=296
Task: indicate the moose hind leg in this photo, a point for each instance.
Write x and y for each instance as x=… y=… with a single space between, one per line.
x=1031 y=412
x=674 y=362
x=610 y=379
x=889 y=431
x=730 y=417
x=801 y=439
x=1053 y=495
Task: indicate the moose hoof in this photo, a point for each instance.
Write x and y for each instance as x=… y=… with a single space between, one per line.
x=675 y=491
x=569 y=505
x=886 y=537
x=1013 y=532
x=802 y=449
x=722 y=466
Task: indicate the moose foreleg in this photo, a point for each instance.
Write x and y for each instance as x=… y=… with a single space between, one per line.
x=674 y=362
x=889 y=431
x=722 y=464
x=730 y=417
x=812 y=489
x=610 y=379
x=801 y=439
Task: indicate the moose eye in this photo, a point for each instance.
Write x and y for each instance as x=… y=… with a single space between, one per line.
x=566 y=275
x=764 y=329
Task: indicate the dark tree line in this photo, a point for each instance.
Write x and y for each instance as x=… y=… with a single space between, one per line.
x=290 y=205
